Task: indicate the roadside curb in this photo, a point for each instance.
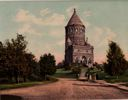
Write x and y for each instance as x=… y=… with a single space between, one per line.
x=116 y=86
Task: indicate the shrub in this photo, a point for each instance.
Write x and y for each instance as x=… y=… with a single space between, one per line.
x=75 y=70
x=51 y=78
x=101 y=75
x=34 y=77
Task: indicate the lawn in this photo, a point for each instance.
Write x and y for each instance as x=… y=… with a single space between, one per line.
x=62 y=73
x=27 y=84
x=19 y=85
x=114 y=79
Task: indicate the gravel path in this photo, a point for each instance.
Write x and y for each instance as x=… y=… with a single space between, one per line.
x=68 y=89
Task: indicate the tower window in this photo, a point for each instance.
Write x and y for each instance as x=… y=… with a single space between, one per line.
x=71 y=30
x=76 y=30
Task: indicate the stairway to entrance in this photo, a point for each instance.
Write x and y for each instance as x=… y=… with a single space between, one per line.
x=82 y=75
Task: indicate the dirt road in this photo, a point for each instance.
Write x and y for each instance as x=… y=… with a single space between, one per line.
x=68 y=89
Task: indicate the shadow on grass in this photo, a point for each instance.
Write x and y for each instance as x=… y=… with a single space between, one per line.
x=10 y=97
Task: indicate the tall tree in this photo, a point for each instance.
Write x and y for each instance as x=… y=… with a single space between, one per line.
x=116 y=63
x=47 y=65
x=15 y=60
x=19 y=47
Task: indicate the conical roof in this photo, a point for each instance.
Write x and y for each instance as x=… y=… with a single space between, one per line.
x=75 y=20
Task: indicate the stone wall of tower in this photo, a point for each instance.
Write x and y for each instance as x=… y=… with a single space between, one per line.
x=76 y=33
x=80 y=52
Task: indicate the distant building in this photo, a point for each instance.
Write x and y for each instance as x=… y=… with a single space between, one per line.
x=77 y=48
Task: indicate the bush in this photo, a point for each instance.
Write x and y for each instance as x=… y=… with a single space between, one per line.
x=101 y=75
x=34 y=77
x=51 y=78
x=92 y=70
x=126 y=73
x=76 y=70
x=113 y=79
x=4 y=80
x=47 y=65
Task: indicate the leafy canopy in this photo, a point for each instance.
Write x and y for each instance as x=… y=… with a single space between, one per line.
x=116 y=63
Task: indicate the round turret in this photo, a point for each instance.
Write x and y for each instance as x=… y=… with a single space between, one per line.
x=75 y=30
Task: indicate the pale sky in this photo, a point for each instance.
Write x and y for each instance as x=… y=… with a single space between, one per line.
x=43 y=23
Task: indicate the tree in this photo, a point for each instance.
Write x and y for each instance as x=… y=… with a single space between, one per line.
x=2 y=60
x=15 y=61
x=47 y=65
x=19 y=59
x=14 y=58
x=116 y=63
x=60 y=64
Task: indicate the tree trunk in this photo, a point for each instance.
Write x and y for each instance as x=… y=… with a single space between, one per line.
x=45 y=78
x=9 y=75
x=17 y=78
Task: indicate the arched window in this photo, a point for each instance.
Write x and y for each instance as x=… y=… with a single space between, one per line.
x=71 y=30
x=84 y=60
x=76 y=30
x=89 y=61
x=76 y=60
x=83 y=30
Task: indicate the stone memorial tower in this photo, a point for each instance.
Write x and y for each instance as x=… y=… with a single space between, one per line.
x=77 y=48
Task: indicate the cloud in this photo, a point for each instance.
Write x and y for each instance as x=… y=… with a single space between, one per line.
x=59 y=57
x=27 y=29
x=87 y=13
x=24 y=16
x=57 y=32
x=86 y=23
x=100 y=58
x=45 y=12
x=102 y=36
x=109 y=35
x=99 y=38
x=61 y=42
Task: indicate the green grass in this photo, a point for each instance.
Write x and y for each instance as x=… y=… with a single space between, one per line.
x=114 y=79
x=50 y=79
x=61 y=73
x=19 y=85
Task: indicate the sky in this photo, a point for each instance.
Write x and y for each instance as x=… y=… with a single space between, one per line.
x=43 y=24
